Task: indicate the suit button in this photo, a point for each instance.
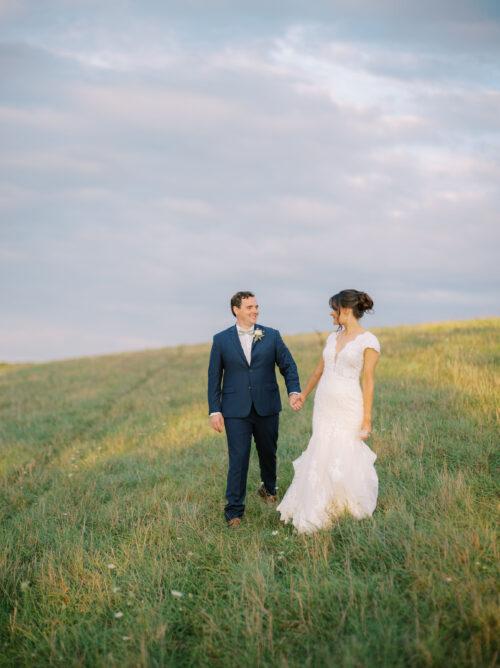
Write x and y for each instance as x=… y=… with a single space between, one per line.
x=249 y=387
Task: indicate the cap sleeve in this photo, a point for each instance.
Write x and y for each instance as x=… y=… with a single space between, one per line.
x=371 y=341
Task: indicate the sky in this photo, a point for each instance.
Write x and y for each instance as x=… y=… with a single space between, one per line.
x=156 y=157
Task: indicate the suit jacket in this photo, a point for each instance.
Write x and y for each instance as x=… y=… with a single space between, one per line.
x=233 y=384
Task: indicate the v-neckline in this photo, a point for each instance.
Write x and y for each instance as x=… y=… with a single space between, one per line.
x=337 y=352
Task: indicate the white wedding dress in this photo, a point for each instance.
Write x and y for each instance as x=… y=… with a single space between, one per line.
x=335 y=473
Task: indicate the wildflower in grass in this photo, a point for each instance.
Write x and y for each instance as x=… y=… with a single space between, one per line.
x=126 y=638
x=176 y=594
x=24 y=585
x=274 y=533
x=70 y=475
x=119 y=614
x=111 y=567
x=116 y=590
x=448 y=579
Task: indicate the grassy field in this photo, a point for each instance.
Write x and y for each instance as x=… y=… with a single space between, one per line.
x=114 y=551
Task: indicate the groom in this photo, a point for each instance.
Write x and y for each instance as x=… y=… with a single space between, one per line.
x=243 y=398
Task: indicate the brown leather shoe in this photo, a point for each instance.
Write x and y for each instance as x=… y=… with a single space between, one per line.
x=264 y=494
x=234 y=523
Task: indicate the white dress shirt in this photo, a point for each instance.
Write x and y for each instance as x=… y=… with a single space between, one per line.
x=246 y=340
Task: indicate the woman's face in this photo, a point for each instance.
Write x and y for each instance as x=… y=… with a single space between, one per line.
x=335 y=316
x=340 y=316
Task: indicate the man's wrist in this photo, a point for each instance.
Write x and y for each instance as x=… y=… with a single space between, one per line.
x=216 y=413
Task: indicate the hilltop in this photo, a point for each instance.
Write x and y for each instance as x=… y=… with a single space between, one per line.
x=114 y=550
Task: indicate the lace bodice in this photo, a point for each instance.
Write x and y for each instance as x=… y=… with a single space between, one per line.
x=348 y=363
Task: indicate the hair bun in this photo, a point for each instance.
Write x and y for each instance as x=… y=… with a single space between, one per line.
x=365 y=302
x=359 y=302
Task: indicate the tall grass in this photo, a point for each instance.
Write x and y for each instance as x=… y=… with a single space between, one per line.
x=111 y=497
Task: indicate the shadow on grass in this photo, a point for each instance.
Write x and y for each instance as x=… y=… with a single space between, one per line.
x=128 y=486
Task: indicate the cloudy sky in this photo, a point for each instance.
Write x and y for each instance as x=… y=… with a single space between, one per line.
x=158 y=156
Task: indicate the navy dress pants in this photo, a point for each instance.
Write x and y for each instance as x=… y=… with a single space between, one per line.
x=239 y=432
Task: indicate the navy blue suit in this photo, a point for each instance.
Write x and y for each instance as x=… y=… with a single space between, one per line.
x=248 y=397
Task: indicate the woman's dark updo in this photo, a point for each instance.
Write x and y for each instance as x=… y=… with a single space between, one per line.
x=360 y=302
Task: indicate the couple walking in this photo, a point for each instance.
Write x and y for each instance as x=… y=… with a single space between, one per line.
x=335 y=473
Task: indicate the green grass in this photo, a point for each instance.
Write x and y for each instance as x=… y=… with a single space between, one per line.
x=110 y=461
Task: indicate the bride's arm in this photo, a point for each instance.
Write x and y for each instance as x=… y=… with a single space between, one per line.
x=368 y=382
x=313 y=380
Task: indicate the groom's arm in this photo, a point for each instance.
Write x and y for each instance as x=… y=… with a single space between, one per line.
x=287 y=366
x=215 y=371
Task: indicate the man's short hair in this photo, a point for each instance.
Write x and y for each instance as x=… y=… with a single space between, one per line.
x=236 y=299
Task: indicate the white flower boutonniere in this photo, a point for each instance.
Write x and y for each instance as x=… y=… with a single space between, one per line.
x=258 y=335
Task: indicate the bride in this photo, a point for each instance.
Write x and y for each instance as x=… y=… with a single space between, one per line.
x=335 y=473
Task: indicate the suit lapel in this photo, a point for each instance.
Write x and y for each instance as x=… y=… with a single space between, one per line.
x=255 y=343
x=237 y=343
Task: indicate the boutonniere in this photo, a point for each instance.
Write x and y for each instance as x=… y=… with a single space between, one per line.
x=258 y=335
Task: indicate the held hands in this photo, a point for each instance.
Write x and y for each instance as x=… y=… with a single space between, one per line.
x=217 y=422
x=297 y=401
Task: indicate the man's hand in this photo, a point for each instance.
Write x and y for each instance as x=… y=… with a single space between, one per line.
x=217 y=422
x=296 y=401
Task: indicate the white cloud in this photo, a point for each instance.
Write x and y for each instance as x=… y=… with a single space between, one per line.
x=154 y=107
x=146 y=178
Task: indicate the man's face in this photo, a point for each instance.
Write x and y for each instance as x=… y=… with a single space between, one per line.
x=248 y=313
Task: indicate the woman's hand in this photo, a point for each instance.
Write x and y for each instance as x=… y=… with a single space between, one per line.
x=366 y=429
x=297 y=401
